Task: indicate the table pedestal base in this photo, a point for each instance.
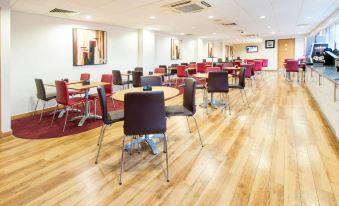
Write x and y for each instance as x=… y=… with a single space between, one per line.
x=148 y=139
x=83 y=118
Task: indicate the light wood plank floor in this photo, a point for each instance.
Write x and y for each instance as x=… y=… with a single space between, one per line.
x=278 y=152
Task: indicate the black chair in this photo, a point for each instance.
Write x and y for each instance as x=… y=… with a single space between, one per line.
x=188 y=108
x=219 y=60
x=42 y=95
x=150 y=81
x=144 y=115
x=185 y=64
x=136 y=78
x=192 y=62
x=203 y=60
x=117 y=79
x=218 y=83
x=139 y=69
x=108 y=118
x=241 y=85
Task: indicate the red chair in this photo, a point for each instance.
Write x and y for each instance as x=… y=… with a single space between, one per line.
x=264 y=62
x=201 y=68
x=105 y=78
x=292 y=66
x=249 y=61
x=160 y=70
x=192 y=69
x=236 y=63
x=181 y=73
x=208 y=64
x=248 y=71
x=85 y=76
x=258 y=67
x=62 y=98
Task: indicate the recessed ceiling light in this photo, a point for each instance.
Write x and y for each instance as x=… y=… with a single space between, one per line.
x=262 y=17
x=214 y=33
x=182 y=33
x=152 y=17
x=193 y=27
x=309 y=17
x=149 y=28
x=88 y=17
x=272 y=32
x=210 y=17
x=269 y=27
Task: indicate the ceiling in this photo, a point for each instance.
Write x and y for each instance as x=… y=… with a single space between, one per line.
x=281 y=16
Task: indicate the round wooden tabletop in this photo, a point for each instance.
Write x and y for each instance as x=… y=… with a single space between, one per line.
x=201 y=75
x=156 y=74
x=231 y=68
x=169 y=92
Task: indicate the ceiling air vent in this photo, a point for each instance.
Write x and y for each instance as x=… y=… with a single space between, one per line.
x=62 y=12
x=229 y=24
x=187 y=6
x=188 y=34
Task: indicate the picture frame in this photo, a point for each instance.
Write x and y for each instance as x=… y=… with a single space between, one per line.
x=176 y=49
x=252 y=49
x=210 y=51
x=89 y=47
x=270 y=44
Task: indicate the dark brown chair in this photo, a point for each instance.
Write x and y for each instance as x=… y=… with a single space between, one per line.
x=188 y=108
x=108 y=118
x=173 y=71
x=151 y=81
x=218 y=83
x=139 y=69
x=144 y=115
x=42 y=95
x=136 y=78
x=117 y=79
x=241 y=85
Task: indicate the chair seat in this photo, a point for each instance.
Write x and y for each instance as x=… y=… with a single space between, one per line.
x=235 y=86
x=177 y=110
x=116 y=116
x=96 y=96
x=50 y=96
x=76 y=100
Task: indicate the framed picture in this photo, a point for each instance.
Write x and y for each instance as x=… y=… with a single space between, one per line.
x=210 y=50
x=89 y=47
x=175 y=49
x=251 y=49
x=269 y=44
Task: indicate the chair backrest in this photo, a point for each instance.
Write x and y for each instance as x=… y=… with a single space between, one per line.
x=217 y=82
x=103 y=105
x=139 y=69
x=203 y=60
x=292 y=66
x=85 y=76
x=194 y=65
x=265 y=62
x=257 y=65
x=62 y=94
x=189 y=95
x=236 y=63
x=201 y=68
x=208 y=64
x=174 y=65
x=136 y=78
x=181 y=71
x=160 y=70
x=163 y=66
x=192 y=62
x=40 y=89
x=248 y=70
x=185 y=64
x=249 y=61
x=150 y=81
x=144 y=113
x=213 y=69
x=107 y=78
x=242 y=77
x=117 y=80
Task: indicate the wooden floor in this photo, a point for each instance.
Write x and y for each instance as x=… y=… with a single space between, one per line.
x=278 y=152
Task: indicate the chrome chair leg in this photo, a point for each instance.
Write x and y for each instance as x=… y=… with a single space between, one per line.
x=122 y=161
x=65 y=121
x=100 y=142
x=189 y=128
x=165 y=146
x=100 y=134
x=229 y=104
x=36 y=106
x=139 y=146
x=248 y=104
x=42 y=112
x=196 y=124
x=56 y=108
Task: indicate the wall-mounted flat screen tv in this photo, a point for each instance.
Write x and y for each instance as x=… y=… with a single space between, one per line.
x=251 y=49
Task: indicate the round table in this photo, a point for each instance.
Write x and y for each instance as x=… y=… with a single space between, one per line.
x=232 y=68
x=201 y=75
x=169 y=92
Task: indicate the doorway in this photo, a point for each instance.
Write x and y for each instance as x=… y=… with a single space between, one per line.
x=286 y=50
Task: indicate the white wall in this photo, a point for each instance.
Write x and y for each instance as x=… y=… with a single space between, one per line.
x=41 y=47
x=239 y=50
x=163 y=49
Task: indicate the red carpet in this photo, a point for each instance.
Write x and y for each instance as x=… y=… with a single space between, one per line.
x=29 y=128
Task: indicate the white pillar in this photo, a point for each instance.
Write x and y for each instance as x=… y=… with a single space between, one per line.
x=146 y=50
x=5 y=27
